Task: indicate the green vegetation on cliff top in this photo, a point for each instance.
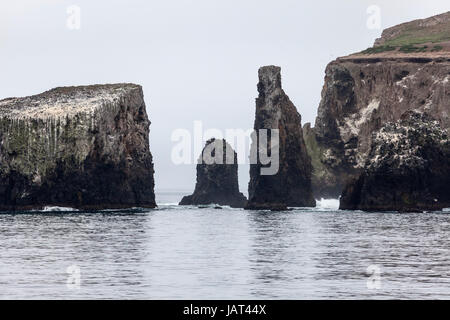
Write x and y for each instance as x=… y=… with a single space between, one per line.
x=425 y=35
x=410 y=38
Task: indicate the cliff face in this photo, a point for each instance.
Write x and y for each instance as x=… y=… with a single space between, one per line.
x=82 y=147
x=364 y=91
x=217 y=177
x=408 y=168
x=291 y=185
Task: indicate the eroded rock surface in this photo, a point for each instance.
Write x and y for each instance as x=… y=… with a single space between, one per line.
x=217 y=177
x=291 y=184
x=408 y=168
x=81 y=147
x=364 y=91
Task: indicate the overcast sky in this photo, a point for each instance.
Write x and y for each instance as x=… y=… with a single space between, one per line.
x=196 y=59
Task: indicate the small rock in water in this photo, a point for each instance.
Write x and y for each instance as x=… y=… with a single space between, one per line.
x=217 y=177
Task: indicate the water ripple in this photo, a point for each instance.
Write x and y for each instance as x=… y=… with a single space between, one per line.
x=190 y=253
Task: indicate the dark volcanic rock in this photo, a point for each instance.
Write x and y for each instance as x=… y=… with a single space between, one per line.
x=328 y=173
x=217 y=177
x=291 y=185
x=408 y=169
x=81 y=147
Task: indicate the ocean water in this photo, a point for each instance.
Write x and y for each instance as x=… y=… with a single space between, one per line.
x=205 y=253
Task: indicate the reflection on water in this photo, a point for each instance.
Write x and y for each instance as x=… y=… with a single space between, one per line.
x=191 y=253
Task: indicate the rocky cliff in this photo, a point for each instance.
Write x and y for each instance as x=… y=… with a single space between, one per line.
x=290 y=185
x=363 y=91
x=407 y=169
x=82 y=147
x=217 y=177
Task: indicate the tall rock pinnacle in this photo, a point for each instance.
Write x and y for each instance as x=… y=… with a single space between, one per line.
x=290 y=184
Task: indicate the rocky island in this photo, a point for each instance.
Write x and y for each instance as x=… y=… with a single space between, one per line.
x=407 y=69
x=407 y=169
x=82 y=147
x=217 y=177
x=290 y=186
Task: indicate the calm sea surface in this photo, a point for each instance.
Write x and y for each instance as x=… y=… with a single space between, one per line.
x=192 y=253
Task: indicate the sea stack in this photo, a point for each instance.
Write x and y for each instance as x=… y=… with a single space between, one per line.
x=407 y=170
x=217 y=177
x=82 y=147
x=290 y=184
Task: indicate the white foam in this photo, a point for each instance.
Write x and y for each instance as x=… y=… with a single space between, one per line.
x=58 y=209
x=327 y=204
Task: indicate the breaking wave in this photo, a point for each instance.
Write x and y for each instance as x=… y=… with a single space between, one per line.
x=58 y=209
x=327 y=204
